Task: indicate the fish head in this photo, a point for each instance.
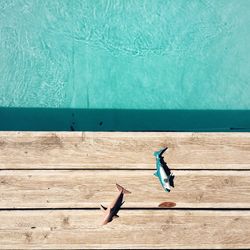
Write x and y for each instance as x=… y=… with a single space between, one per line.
x=166 y=185
x=107 y=220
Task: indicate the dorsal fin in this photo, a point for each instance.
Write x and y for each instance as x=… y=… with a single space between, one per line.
x=103 y=208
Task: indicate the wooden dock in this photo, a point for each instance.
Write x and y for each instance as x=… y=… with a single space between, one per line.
x=52 y=185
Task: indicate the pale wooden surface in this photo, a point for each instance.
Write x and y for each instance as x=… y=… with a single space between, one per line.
x=90 y=188
x=123 y=150
x=134 y=229
x=63 y=203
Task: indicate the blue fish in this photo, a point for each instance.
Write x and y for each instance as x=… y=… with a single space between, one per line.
x=162 y=171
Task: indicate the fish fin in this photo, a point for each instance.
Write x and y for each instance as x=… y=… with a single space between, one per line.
x=116 y=216
x=171 y=180
x=122 y=203
x=122 y=189
x=163 y=151
x=160 y=152
x=156 y=174
x=103 y=208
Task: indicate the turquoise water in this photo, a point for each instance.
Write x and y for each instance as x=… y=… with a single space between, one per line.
x=130 y=54
x=172 y=65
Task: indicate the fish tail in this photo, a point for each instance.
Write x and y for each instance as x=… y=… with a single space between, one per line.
x=160 y=152
x=122 y=189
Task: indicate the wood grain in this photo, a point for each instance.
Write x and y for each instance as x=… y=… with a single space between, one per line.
x=133 y=229
x=123 y=150
x=90 y=188
x=98 y=161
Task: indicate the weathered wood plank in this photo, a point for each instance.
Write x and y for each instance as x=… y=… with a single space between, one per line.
x=123 y=150
x=89 y=188
x=133 y=229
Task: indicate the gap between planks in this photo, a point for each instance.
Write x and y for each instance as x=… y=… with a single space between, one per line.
x=133 y=229
x=122 y=169
x=89 y=189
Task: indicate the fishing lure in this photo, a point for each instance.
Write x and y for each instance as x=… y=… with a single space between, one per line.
x=163 y=172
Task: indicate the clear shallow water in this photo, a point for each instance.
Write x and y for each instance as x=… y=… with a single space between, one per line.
x=130 y=54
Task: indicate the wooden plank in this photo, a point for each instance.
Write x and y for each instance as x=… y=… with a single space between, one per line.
x=123 y=150
x=90 y=188
x=133 y=229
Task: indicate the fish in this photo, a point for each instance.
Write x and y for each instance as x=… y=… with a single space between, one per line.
x=112 y=210
x=163 y=172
